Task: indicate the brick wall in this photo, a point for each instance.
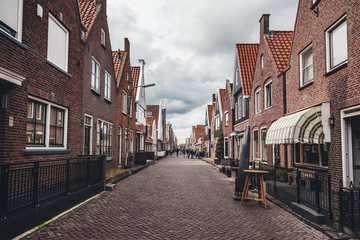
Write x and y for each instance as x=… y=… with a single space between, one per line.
x=42 y=78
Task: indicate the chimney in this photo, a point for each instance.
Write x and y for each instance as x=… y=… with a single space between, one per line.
x=264 y=25
x=127 y=45
x=213 y=98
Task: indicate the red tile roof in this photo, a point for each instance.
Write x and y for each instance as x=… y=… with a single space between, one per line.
x=135 y=73
x=89 y=11
x=209 y=107
x=117 y=61
x=222 y=98
x=279 y=44
x=246 y=53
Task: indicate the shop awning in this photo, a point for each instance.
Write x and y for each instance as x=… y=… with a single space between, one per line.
x=301 y=127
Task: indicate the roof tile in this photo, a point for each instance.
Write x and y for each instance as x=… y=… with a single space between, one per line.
x=246 y=53
x=279 y=44
x=117 y=61
x=89 y=11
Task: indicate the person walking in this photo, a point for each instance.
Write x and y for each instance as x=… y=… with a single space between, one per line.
x=177 y=152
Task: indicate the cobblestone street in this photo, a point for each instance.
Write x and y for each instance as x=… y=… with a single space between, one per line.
x=176 y=198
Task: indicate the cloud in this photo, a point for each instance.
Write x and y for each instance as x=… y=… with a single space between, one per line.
x=189 y=47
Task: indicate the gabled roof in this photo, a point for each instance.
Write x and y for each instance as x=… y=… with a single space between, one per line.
x=209 y=109
x=222 y=97
x=246 y=54
x=89 y=11
x=279 y=43
x=135 y=73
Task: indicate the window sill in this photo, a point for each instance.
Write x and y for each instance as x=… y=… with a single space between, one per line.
x=108 y=159
x=28 y=152
x=268 y=108
x=336 y=69
x=310 y=166
x=95 y=91
x=14 y=40
x=306 y=85
x=58 y=68
x=107 y=100
x=124 y=113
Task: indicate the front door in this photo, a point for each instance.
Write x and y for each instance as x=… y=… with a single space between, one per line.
x=355 y=138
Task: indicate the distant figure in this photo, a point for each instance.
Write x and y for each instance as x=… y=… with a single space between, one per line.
x=197 y=153
x=177 y=152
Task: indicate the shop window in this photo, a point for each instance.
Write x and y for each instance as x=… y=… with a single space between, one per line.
x=311 y=154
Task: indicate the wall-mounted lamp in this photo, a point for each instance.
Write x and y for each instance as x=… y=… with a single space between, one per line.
x=332 y=121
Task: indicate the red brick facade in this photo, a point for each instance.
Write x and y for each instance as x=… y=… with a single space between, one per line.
x=44 y=81
x=95 y=104
x=227 y=123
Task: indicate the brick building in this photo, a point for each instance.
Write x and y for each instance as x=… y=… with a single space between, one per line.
x=227 y=123
x=322 y=82
x=99 y=85
x=125 y=134
x=152 y=123
x=41 y=72
x=244 y=68
x=207 y=130
x=266 y=103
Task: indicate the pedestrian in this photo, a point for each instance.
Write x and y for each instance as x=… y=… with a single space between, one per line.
x=177 y=152
x=197 y=153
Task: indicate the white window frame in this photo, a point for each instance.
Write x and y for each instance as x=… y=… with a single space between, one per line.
x=226 y=118
x=107 y=89
x=236 y=111
x=266 y=95
x=131 y=142
x=240 y=107
x=49 y=47
x=130 y=107
x=124 y=102
x=47 y=126
x=329 y=66
x=95 y=76
x=100 y=124
x=18 y=34
x=257 y=101
x=257 y=145
x=91 y=131
x=303 y=53
x=261 y=144
x=141 y=142
x=103 y=37
x=226 y=143
x=262 y=62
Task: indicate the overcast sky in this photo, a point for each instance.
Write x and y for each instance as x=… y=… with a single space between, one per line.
x=189 y=46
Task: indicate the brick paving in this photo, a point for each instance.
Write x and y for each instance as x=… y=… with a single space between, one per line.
x=177 y=198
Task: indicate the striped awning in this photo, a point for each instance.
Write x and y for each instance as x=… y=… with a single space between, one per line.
x=301 y=127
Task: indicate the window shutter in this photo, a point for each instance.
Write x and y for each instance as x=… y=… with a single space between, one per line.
x=57 y=44
x=9 y=11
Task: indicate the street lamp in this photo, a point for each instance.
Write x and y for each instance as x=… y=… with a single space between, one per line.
x=128 y=156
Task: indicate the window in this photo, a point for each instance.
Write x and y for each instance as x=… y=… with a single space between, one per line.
x=130 y=107
x=88 y=135
x=337 y=44
x=262 y=62
x=256 y=144
x=150 y=113
x=226 y=148
x=237 y=76
x=107 y=86
x=104 y=138
x=11 y=12
x=306 y=66
x=127 y=77
x=311 y=154
x=141 y=142
x=58 y=44
x=257 y=101
x=124 y=102
x=95 y=75
x=56 y=126
x=46 y=126
x=268 y=95
x=240 y=107
x=102 y=37
x=131 y=142
x=263 y=145
x=226 y=118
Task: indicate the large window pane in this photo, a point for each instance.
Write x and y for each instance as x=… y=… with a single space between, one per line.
x=57 y=51
x=338 y=45
x=35 y=129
